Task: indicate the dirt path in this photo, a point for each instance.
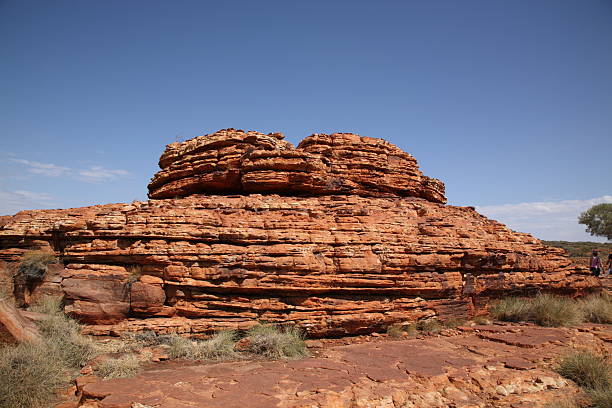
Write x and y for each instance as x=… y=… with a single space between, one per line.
x=480 y=366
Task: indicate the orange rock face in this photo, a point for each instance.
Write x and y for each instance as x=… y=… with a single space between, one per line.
x=233 y=161
x=359 y=240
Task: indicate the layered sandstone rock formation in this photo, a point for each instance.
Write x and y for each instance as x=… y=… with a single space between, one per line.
x=231 y=161
x=359 y=239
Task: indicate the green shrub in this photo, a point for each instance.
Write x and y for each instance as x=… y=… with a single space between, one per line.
x=30 y=375
x=544 y=310
x=218 y=347
x=586 y=369
x=127 y=366
x=273 y=342
x=597 y=308
x=33 y=265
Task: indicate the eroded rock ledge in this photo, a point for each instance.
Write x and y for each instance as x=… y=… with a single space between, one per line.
x=358 y=240
x=234 y=161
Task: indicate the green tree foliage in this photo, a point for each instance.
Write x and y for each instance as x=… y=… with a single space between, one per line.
x=598 y=220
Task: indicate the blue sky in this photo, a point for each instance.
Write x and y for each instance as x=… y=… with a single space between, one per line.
x=509 y=103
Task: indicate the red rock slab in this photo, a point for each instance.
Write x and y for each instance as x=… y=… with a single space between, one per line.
x=528 y=337
x=14 y=327
x=430 y=372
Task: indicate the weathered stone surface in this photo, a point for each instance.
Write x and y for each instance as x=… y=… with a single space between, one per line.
x=461 y=370
x=234 y=161
x=335 y=264
x=13 y=326
x=354 y=255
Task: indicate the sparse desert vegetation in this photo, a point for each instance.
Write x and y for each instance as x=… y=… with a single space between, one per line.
x=220 y=346
x=31 y=373
x=125 y=366
x=274 y=342
x=553 y=311
x=33 y=265
x=592 y=373
x=581 y=249
x=597 y=308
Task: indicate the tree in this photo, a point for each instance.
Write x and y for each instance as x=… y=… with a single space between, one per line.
x=598 y=220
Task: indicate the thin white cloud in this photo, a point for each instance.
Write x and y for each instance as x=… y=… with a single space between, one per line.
x=93 y=174
x=45 y=169
x=551 y=220
x=14 y=201
x=99 y=173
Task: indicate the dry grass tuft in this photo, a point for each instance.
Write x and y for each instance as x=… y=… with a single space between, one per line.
x=398 y=329
x=586 y=369
x=601 y=398
x=127 y=366
x=29 y=376
x=134 y=273
x=544 y=310
x=31 y=373
x=33 y=265
x=430 y=326
x=597 y=308
x=273 y=342
x=218 y=347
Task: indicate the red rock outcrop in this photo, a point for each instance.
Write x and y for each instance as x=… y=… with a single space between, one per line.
x=13 y=326
x=358 y=240
x=234 y=161
x=485 y=366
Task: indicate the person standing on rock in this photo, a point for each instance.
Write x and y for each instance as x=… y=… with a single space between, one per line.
x=595 y=264
x=608 y=266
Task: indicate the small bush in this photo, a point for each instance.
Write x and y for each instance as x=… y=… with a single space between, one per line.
x=273 y=342
x=29 y=376
x=586 y=369
x=553 y=311
x=430 y=326
x=453 y=322
x=481 y=320
x=122 y=367
x=33 y=265
x=597 y=308
x=395 y=330
x=544 y=310
x=510 y=309
x=220 y=346
x=601 y=398
x=134 y=273
x=31 y=373
x=565 y=403
x=51 y=305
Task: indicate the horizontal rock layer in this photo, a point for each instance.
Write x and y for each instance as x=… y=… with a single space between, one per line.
x=234 y=161
x=335 y=265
